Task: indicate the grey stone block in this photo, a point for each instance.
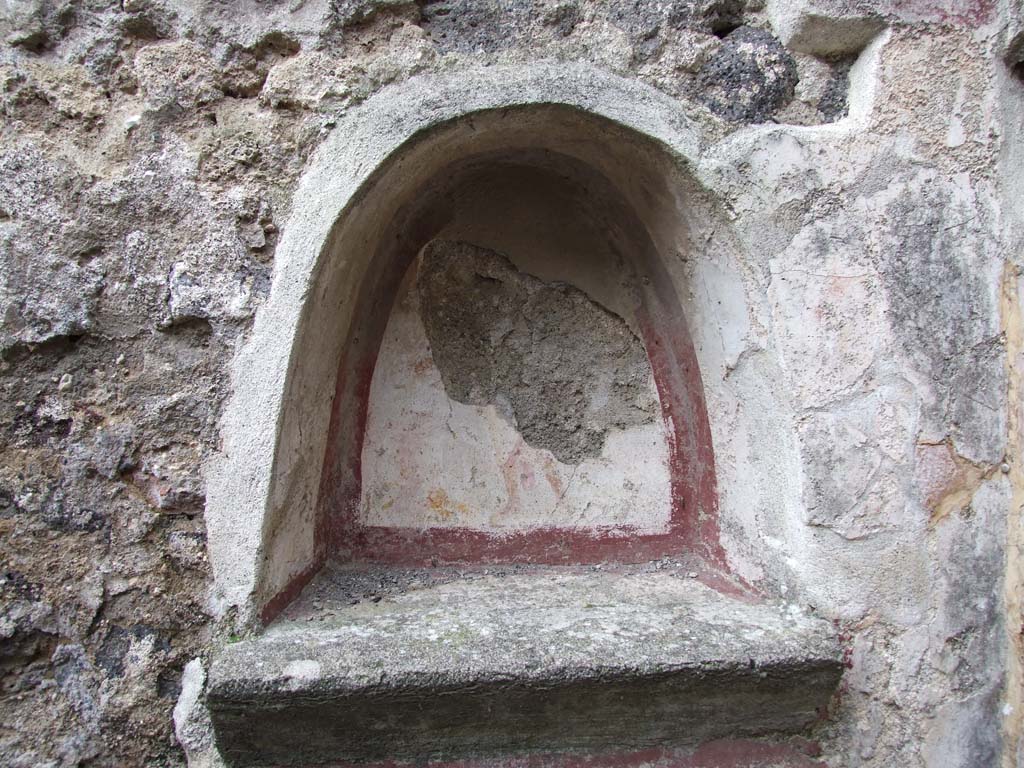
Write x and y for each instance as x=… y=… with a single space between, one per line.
x=564 y=661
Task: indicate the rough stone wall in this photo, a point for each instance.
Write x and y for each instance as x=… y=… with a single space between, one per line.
x=148 y=152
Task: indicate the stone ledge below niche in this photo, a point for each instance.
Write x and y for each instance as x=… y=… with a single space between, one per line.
x=544 y=661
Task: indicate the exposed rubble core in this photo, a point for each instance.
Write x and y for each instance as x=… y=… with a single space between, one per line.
x=858 y=325
x=566 y=368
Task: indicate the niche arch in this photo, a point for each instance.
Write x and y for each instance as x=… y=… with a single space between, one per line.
x=533 y=203
x=281 y=492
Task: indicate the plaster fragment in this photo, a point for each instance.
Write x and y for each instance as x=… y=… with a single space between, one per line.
x=567 y=369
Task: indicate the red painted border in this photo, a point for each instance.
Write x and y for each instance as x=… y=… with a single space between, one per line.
x=693 y=525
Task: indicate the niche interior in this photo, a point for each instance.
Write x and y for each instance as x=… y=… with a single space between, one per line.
x=516 y=382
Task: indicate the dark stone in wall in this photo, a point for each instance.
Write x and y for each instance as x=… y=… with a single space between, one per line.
x=19 y=586
x=642 y=19
x=719 y=17
x=749 y=78
x=472 y=26
x=349 y=13
x=116 y=645
x=564 y=17
x=649 y=24
x=567 y=369
x=833 y=104
x=63 y=516
x=468 y=26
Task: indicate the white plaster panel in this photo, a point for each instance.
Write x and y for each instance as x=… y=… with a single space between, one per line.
x=430 y=461
x=829 y=308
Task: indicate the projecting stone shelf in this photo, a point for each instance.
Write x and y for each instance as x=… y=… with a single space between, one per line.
x=549 y=661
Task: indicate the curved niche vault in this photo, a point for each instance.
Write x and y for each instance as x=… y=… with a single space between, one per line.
x=474 y=349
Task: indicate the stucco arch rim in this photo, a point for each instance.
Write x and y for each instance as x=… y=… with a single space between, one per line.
x=240 y=477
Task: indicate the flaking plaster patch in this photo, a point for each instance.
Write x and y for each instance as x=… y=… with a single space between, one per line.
x=567 y=369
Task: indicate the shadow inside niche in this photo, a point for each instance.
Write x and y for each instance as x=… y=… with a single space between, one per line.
x=1014 y=57
x=834 y=103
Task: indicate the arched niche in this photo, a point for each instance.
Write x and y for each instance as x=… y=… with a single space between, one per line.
x=562 y=219
x=399 y=171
